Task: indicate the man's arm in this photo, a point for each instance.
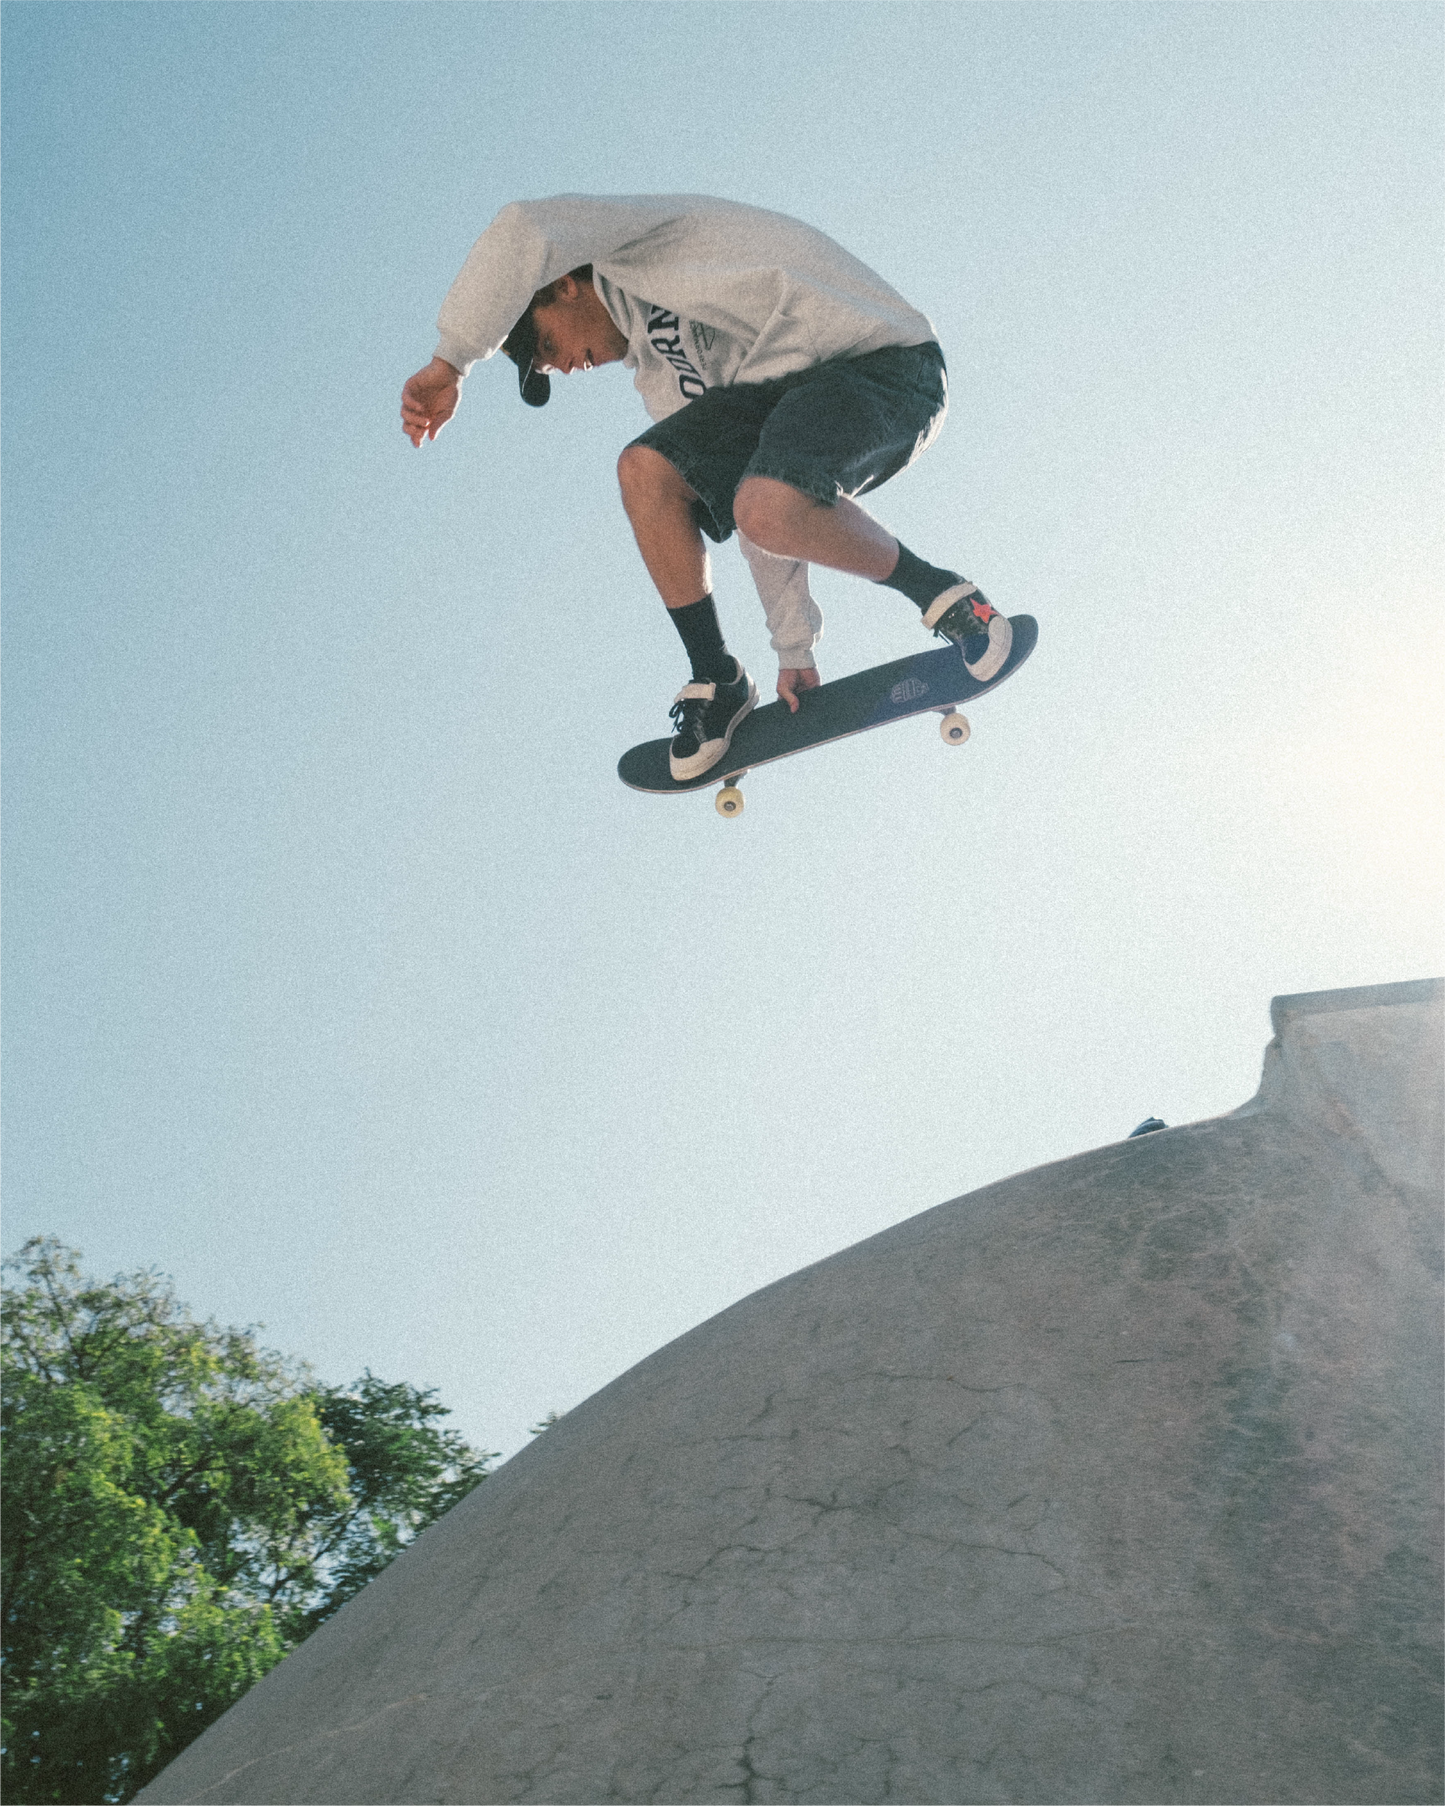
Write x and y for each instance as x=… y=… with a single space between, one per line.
x=794 y=618
x=528 y=245
x=429 y=399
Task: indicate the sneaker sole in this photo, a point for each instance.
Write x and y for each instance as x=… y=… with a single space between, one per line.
x=1000 y=642
x=708 y=754
x=1000 y=634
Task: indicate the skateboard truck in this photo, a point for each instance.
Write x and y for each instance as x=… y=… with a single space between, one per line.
x=730 y=799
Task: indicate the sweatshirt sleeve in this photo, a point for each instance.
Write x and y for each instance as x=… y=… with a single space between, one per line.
x=505 y=267
x=794 y=618
x=528 y=245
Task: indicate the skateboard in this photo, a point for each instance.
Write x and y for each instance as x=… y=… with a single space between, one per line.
x=848 y=705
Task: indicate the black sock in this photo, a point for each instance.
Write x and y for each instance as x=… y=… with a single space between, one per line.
x=920 y=582
x=712 y=663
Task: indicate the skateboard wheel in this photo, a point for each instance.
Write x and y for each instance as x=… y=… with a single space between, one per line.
x=955 y=728
x=729 y=800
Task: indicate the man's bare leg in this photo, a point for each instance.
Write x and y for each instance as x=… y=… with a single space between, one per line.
x=659 y=506
x=784 y=521
x=706 y=711
x=844 y=537
x=774 y=515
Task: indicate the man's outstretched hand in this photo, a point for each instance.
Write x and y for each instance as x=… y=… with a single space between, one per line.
x=429 y=400
x=790 y=681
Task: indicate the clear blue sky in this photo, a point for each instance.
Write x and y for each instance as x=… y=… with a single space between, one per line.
x=344 y=980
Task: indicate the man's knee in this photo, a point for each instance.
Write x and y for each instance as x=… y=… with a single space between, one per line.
x=645 y=476
x=767 y=511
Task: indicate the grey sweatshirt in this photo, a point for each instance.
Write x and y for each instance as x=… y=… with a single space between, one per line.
x=708 y=292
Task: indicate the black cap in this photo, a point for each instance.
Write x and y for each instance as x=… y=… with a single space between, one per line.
x=520 y=345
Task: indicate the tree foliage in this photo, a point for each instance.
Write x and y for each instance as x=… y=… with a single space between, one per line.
x=181 y=1507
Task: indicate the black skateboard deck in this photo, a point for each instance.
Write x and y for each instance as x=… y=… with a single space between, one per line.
x=847 y=705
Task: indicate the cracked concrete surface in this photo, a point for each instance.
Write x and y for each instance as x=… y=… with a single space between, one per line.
x=1116 y=1481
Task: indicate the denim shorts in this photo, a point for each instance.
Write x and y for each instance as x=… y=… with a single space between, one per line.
x=838 y=428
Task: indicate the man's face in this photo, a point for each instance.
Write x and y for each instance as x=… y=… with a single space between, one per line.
x=575 y=331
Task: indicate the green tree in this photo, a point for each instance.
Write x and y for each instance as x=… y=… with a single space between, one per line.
x=181 y=1507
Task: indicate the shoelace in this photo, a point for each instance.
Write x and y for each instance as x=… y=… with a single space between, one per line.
x=960 y=612
x=686 y=715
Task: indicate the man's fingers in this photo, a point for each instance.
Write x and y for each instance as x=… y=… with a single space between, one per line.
x=791 y=680
x=420 y=420
x=426 y=405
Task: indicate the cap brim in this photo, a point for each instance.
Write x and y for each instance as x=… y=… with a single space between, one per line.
x=520 y=345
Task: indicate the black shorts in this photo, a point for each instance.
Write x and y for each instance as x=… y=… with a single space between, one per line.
x=839 y=428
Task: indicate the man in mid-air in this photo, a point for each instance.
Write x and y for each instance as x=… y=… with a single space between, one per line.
x=783 y=378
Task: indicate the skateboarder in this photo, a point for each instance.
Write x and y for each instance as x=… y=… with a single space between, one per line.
x=783 y=378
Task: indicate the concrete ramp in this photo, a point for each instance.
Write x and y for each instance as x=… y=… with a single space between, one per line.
x=1116 y=1481
x=1363 y=1067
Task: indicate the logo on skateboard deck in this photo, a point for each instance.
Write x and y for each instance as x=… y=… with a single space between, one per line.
x=909 y=690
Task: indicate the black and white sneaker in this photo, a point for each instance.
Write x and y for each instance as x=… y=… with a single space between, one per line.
x=706 y=717
x=965 y=615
